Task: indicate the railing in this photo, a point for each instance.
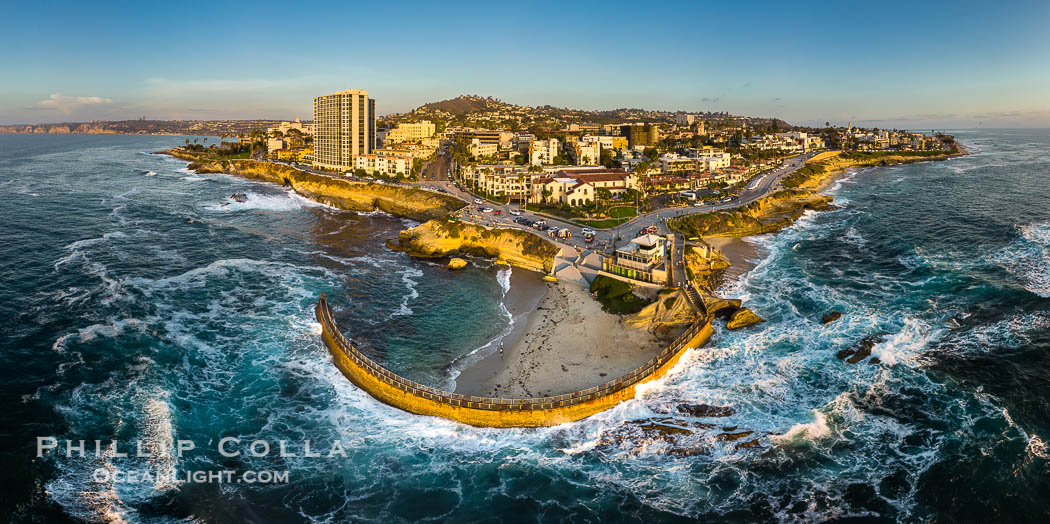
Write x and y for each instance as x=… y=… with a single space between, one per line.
x=324 y=316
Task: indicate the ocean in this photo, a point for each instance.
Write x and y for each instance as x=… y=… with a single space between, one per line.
x=140 y=303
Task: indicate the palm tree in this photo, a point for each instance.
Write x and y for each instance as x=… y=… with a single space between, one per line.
x=521 y=188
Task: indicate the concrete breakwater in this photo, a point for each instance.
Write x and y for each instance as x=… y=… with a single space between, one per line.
x=397 y=391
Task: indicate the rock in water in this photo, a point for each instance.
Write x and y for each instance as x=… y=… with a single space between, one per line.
x=743 y=317
x=239 y=197
x=457 y=263
x=830 y=317
x=705 y=410
x=862 y=350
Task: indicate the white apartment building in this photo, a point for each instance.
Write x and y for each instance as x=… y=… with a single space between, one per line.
x=684 y=119
x=543 y=151
x=711 y=159
x=584 y=153
x=273 y=144
x=344 y=128
x=607 y=141
x=411 y=131
x=390 y=162
x=481 y=149
x=578 y=187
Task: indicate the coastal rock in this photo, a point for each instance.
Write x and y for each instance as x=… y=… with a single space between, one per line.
x=730 y=437
x=721 y=307
x=457 y=263
x=742 y=318
x=705 y=272
x=862 y=349
x=665 y=316
x=705 y=410
x=239 y=197
x=409 y=202
x=439 y=238
x=830 y=317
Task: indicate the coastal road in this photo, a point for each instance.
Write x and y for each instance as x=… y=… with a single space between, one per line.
x=435 y=175
x=607 y=239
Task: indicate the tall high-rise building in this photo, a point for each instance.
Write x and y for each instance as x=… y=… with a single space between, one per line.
x=344 y=128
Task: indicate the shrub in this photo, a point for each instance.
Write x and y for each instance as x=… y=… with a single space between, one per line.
x=616 y=296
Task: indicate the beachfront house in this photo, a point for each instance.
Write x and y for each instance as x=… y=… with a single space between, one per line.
x=641 y=259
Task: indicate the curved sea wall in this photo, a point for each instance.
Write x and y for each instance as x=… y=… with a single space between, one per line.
x=413 y=397
x=438 y=238
x=417 y=204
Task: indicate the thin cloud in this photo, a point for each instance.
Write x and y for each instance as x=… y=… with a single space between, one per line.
x=69 y=104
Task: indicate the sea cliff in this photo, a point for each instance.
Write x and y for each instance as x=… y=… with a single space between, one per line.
x=782 y=208
x=438 y=238
x=417 y=204
x=765 y=215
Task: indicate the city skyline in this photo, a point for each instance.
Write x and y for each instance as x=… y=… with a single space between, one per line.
x=943 y=65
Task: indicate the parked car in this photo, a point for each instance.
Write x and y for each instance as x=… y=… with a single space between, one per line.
x=499 y=211
x=478 y=201
x=486 y=210
x=515 y=212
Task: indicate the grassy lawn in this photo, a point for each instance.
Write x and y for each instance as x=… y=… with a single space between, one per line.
x=618 y=215
x=622 y=212
x=601 y=224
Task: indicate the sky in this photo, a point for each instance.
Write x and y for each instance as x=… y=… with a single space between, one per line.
x=916 y=64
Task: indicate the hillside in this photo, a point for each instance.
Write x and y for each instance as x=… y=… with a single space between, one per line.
x=491 y=112
x=462 y=105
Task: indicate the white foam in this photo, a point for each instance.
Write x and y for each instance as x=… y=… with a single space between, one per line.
x=263 y=202
x=406 y=276
x=503 y=277
x=159 y=441
x=1028 y=258
x=806 y=431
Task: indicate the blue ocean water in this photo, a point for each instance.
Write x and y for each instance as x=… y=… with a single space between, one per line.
x=137 y=305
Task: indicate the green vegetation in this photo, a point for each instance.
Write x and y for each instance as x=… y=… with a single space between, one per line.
x=875 y=155
x=617 y=216
x=803 y=174
x=616 y=296
x=216 y=152
x=623 y=212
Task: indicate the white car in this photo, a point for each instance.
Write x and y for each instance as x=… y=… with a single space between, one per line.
x=515 y=212
x=588 y=231
x=478 y=201
x=486 y=210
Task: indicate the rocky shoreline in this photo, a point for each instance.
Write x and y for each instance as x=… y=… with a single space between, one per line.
x=440 y=238
x=417 y=204
x=783 y=208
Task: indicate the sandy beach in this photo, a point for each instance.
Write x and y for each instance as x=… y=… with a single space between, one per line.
x=568 y=344
x=743 y=255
